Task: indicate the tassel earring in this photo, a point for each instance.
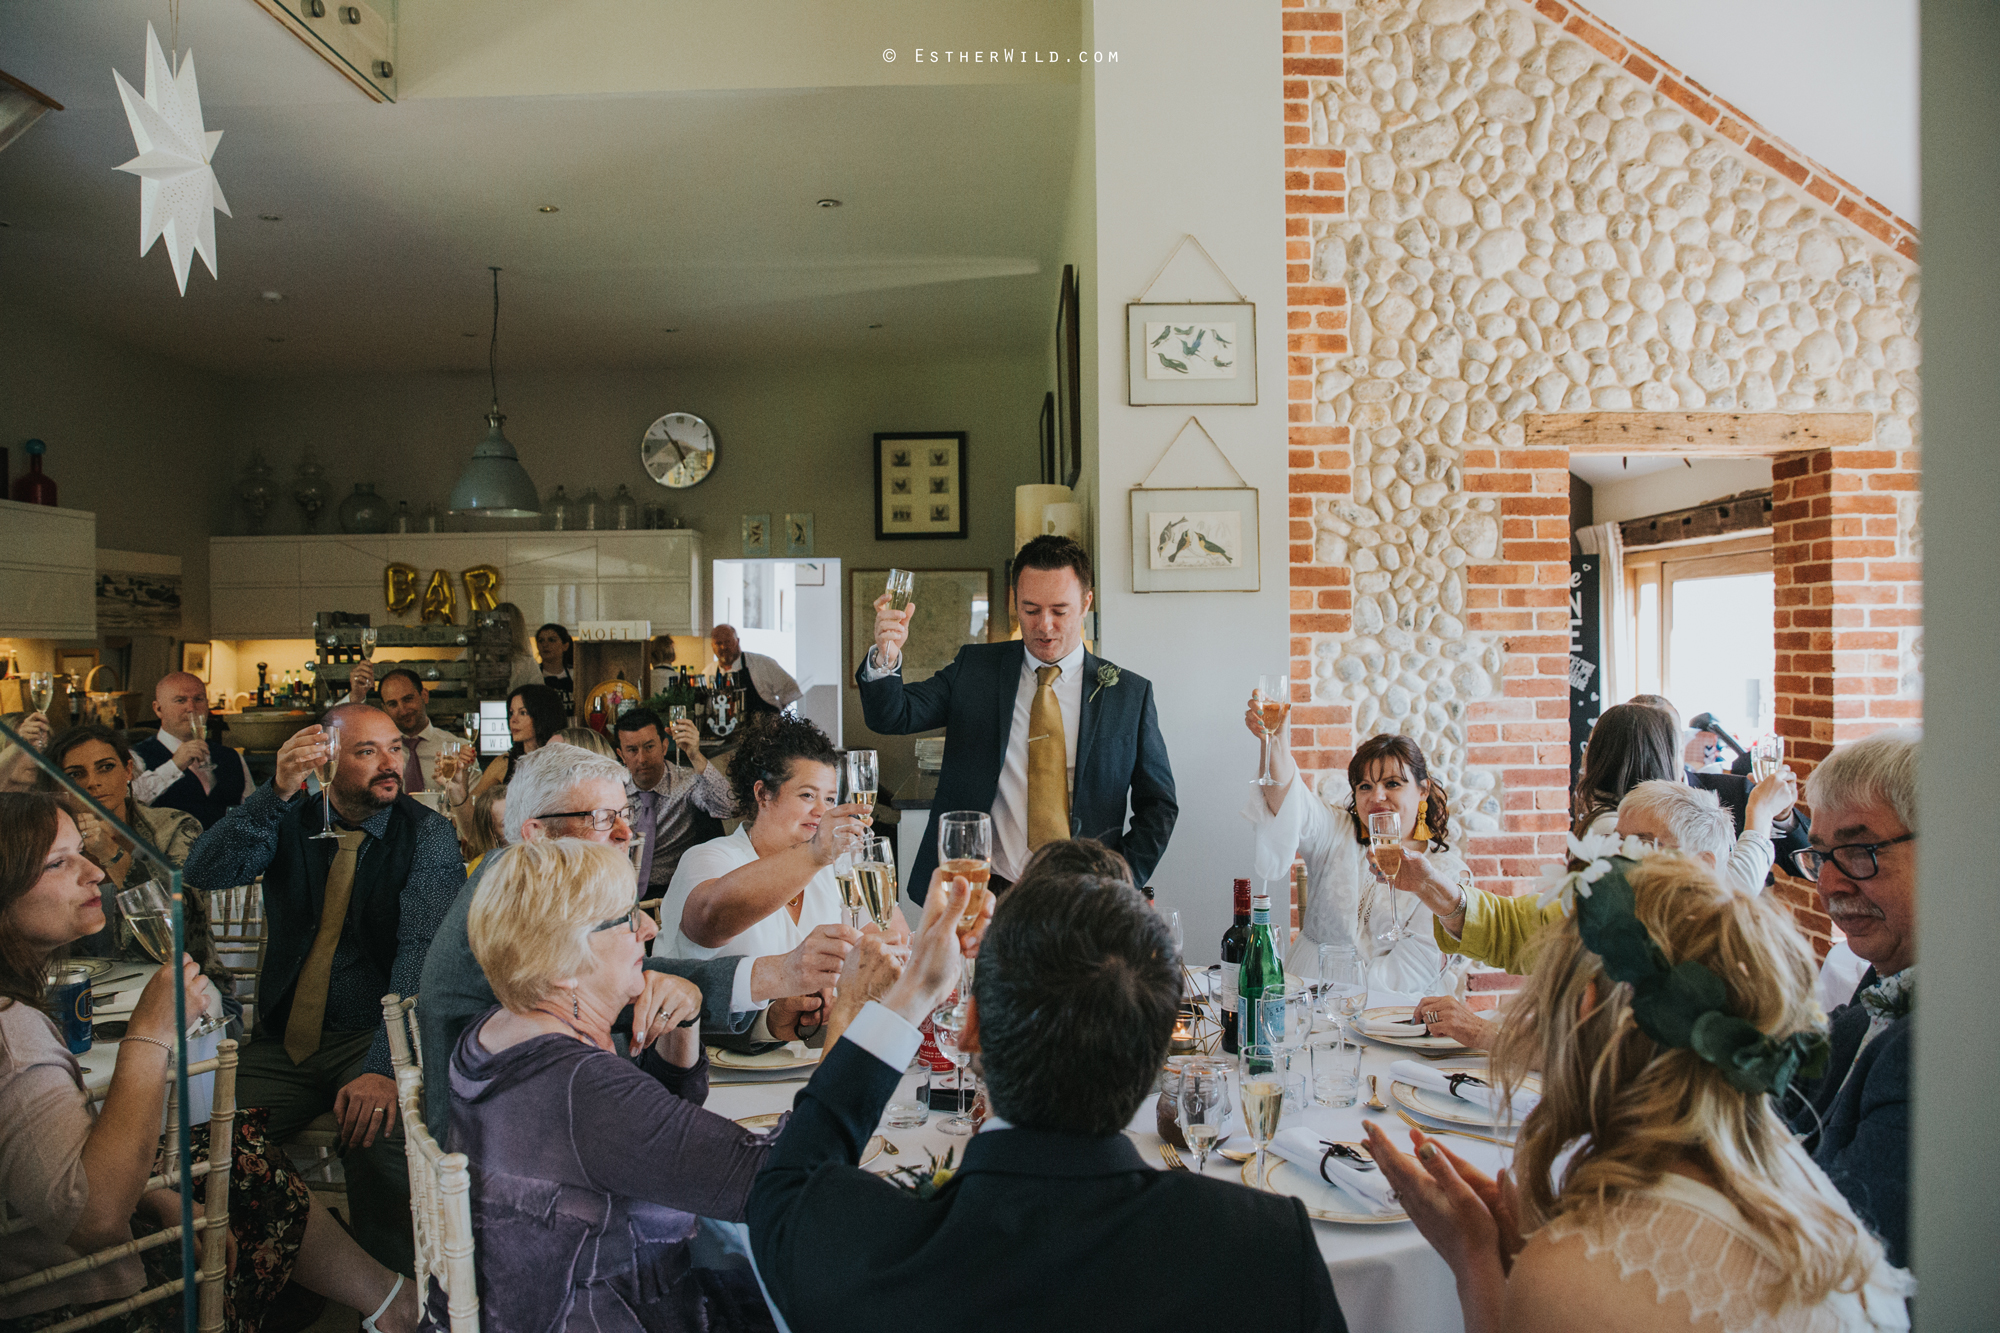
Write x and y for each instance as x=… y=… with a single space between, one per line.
x=1422 y=832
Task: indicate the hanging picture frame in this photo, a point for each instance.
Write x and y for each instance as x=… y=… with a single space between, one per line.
x=1195 y=538
x=1069 y=381
x=919 y=485
x=1191 y=352
x=1047 y=433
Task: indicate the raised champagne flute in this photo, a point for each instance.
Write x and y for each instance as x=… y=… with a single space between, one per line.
x=875 y=875
x=862 y=767
x=901 y=581
x=965 y=851
x=326 y=771
x=1767 y=756
x=1271 y=700
x=148 y=915
x=850 y=888
x=1385 y=852
x=41 y=690
x=947 y=1022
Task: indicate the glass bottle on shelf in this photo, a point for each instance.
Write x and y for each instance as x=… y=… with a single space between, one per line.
x=402 y=520
x=433 y=519
x=36 y=487
x=624 y=509
x=255 y=491
x=589 y=510
x=309 y=489
x=559 y=514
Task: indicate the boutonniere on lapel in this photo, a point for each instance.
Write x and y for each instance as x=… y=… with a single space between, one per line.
x=1892 y=997
x=1106 y=675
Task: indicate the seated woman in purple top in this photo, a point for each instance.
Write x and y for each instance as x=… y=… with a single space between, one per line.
x=589 y=1171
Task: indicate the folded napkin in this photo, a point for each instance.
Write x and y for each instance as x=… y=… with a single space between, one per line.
x=1305 y=1148
x=1382 y=1027
x=1485 y=1098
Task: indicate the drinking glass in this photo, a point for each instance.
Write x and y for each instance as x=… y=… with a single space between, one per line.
x=1272 y=700
x=875 y=876
x=1263 y=1107
x=947 y=1022
x=901 y=581
x=41 y=690
x=1204 y=1106
x=861 y=771
x=149 y=916
x=1767 y=756
x=326 y=773
x=965 y=851
x=1342 y=993
x=850 y=888
x=1336 y=1069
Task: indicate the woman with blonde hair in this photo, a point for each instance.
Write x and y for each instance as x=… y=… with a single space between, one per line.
x=589 y=1172
x=1664 y=1015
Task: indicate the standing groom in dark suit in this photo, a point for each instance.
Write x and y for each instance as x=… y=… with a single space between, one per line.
x=1049 y=738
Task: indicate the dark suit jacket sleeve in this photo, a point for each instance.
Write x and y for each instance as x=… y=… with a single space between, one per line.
x=717 y=979
x=831 y=1122
x=1154 y=807
x=1319 y=1307
x=1872 y=1169
x=891 y=708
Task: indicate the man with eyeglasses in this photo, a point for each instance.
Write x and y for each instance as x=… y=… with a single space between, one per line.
x=1863 y=860
x=564 y=791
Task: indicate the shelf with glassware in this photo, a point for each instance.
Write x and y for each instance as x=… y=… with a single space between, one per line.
x=454 y=689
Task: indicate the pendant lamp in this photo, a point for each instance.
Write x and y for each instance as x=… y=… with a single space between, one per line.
x=494 y=484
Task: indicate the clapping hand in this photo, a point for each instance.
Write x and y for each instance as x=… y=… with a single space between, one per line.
x=1470 y=1219
x=892 y=631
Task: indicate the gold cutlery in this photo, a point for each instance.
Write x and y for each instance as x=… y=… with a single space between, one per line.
x=1172 y=1158
x=891 y=1148
x=1414 y=1124
x=1375 y=1102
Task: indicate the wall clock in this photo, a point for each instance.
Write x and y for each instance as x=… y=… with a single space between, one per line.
x=678 y=450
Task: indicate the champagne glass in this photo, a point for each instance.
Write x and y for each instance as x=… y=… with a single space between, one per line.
x=326 y=772
x=901 y=581
x=148 y=914
x=861 y=771
x=1767 y=756
x=965 y=851
x=1263 y=1107
x=850 y=888
x=875 y=875
x=947 y=1022
x=1204 y=1106
x=1385 y=852
x=1272 y=700
x=41 y=690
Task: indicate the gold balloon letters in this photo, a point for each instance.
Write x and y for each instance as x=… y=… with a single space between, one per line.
x=481 y=582
x=399 y=586
x=439 y=600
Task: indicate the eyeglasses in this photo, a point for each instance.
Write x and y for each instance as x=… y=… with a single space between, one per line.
x=601 y=820
x=1855 y=859
x=629 y=920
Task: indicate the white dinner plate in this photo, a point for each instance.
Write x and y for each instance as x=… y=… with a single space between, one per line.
x=1323 y=1202
x=1400 y=1014
x=792 y=1055
x=96 y=967
x=1455 y=1110
x=769 y=1120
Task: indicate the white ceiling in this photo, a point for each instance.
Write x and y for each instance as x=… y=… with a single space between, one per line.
x=1601 y=469
x=692 y=210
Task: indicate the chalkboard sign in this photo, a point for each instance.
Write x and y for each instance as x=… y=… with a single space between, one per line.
x=1586 y=678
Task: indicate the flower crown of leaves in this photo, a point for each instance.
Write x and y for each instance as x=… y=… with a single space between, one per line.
x=1683 y=1005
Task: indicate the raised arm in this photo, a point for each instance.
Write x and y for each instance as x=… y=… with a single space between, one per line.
x=718 y=910
x=888 y=706
x=238 y=849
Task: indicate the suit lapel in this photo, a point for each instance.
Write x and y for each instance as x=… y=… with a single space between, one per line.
x=1004 y=692
x=1086 y=720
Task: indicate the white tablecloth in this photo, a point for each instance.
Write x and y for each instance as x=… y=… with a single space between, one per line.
x=1387 y=1277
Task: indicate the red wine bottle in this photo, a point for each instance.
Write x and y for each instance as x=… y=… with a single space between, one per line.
x=1234 y=941
x=35 y=488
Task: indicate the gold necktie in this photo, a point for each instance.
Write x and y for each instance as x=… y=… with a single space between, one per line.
x=1048 y=764
x=308 y=1016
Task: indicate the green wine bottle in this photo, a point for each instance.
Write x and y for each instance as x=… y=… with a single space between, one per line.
x=1260 y=985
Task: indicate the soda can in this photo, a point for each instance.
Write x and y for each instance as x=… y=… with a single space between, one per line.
x=69 y=1005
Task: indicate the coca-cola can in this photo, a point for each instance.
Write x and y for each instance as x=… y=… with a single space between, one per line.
x=69 y=1005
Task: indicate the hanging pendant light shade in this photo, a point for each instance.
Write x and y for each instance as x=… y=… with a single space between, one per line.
x=494 y=484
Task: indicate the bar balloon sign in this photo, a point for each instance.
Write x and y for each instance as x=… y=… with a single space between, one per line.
x=438 y=599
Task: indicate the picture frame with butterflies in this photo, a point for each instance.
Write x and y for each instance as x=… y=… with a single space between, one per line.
x=1187 y=352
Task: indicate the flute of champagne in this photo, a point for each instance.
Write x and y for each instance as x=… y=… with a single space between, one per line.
x=965 y=851
x=1271 y=700
x=1263 y=1106
x=1385 y=850
x=326 y=771
x=148 y=914
x=875 y=875
x=41 y=690
x=1767 y=756
x=861 y=770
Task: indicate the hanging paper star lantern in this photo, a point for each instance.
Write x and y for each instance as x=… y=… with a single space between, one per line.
x=177 y=188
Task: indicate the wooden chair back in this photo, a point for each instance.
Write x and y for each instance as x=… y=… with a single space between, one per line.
x=440 y=1184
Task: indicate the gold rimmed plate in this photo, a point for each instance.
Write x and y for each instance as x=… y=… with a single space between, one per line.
x=792 y=1055
x=1323 y=1202
x=1403 y=1013
x=96 y=967
x=1456 y=1110
x=769 y=1121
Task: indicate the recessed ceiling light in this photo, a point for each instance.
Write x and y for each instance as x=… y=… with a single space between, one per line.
x=272 y=338
x=274 y=297
x=269 y=217
x=874 y=326
x=829 y=203
x=548 y=208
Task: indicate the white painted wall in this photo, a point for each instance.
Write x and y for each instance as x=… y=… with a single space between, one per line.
x=1836 y=79
x=1187 y=140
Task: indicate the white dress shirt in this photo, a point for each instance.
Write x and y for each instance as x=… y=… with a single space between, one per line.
x=147 y=787
x=1010 y=802
x=775 y=934
x=429 y=744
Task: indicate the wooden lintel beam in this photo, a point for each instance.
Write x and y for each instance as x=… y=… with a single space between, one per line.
x=1706 y=434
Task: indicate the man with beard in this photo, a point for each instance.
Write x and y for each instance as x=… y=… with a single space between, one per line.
x=1863 y=860
x=348 y=919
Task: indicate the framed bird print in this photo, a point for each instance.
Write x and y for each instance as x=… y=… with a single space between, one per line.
x=1202 y=539
x=919 y=485
x=1184 y=352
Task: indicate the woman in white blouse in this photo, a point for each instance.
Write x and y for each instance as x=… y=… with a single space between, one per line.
x=762 y=889
x=1347 y=903
x=1682 y=1200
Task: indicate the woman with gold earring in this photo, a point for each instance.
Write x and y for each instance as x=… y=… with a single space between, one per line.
x=1348 y=899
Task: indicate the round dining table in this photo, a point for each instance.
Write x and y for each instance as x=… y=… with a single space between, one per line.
x=1386 y=1276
